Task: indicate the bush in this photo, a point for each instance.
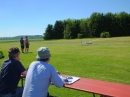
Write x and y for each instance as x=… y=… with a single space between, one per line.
x=105 y=35
x=79 y=36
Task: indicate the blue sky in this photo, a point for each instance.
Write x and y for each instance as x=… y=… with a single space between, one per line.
x=31 y=17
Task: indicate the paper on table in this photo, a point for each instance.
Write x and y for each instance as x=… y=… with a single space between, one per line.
x=69 y=79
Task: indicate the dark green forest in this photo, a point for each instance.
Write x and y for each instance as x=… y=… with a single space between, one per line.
x=114 y=24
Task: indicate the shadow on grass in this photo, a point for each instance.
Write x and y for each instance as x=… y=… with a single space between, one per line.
x=27 y=53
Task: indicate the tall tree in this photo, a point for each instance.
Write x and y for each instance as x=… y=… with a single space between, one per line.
x=124 y=23
x=84 y=28
x=58 y=30
x=109 y=23
x=75 y=28
x=68 y=29
x=67 y=32
x=96 y=26
x=48 y=35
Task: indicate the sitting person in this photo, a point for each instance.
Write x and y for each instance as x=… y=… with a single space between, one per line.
x=40 y=75
x=1 y=55
x=11 y=72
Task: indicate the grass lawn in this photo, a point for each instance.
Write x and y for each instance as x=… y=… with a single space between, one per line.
x=105 y=59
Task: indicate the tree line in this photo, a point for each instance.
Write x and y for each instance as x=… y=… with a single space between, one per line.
x=18 y=37
x=117 y=24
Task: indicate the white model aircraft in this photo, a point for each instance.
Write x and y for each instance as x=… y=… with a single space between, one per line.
x=89 y=42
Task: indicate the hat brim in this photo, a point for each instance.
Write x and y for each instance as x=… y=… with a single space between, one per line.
x=43 y=57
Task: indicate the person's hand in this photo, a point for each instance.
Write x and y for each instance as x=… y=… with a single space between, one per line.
x=22 y=75
x=58 y=72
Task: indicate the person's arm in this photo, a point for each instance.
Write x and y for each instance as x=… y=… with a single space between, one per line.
x=28 y=42
x=55 y=79
x=21 y=70
x=24 y=41
x=23 y=74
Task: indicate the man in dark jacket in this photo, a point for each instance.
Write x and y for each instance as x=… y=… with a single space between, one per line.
x=22 y=44
x=11 y=72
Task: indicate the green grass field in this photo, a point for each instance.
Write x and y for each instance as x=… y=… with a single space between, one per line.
x=105 y=59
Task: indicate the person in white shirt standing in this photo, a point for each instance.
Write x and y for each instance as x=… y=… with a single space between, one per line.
x=40 y=75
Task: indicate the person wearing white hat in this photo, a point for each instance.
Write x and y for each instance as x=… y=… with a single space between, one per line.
x=40 y=75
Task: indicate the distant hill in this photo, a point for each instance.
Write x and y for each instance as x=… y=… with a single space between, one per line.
x=18 y=37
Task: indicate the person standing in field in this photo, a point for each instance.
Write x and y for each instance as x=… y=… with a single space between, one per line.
x=10 y=74
x=22 y=44
x=26 y=44
x=40 y=75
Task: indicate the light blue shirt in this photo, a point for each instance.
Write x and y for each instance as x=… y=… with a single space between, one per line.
x=39 y=77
